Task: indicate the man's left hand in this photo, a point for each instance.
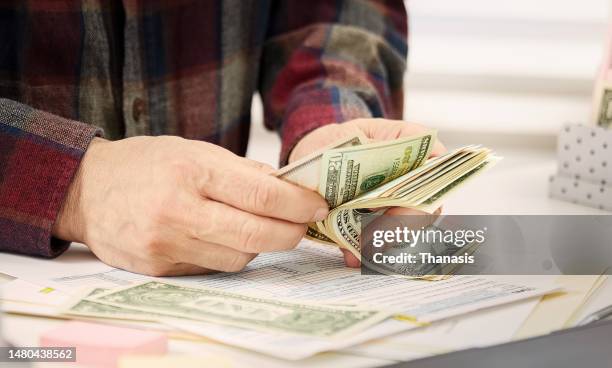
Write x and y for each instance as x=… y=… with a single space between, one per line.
x=374 y=129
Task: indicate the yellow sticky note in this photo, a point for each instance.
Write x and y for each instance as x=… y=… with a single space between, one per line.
x=174 y=360
x=46 y=290
x=410 y=319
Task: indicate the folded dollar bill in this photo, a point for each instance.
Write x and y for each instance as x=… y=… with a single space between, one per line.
x=356 y=177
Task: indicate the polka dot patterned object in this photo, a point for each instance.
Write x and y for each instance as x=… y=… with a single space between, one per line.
x=581 y=192
x=585 y=152
x=585 y=166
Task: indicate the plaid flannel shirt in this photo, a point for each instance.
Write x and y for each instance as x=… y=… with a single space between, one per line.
x=72 y=69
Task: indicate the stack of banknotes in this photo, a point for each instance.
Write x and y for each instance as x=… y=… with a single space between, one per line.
x=359 y=177
x=602 y=96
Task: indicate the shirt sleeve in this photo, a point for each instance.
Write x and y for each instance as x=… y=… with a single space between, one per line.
x=332 y=61
x=39 y=155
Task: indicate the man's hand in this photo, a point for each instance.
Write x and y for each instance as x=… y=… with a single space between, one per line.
x=168 y=206
x=375 y=129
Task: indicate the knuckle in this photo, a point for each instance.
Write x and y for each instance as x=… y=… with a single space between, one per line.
x=160 y=213
x=237 y=263
x=306 y=208
x=250 y=235
x=179 y=168
x=262 y=196
x=158 y=269
x=155 y=250
x=151 y=248
x=163 y=208
x=209 y=226
x=205 y=179
x=171 y=166
x=297 y=234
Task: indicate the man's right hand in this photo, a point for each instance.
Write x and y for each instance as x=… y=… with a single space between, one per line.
x=169 y=206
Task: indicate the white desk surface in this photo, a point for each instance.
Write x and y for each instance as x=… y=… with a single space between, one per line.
x=518 y=185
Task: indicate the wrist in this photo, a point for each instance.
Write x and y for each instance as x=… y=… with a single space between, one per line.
x=70 y=222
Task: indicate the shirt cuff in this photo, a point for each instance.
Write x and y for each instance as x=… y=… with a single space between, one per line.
x=39 y=157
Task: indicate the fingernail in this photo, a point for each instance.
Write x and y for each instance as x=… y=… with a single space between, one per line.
x=321 y=214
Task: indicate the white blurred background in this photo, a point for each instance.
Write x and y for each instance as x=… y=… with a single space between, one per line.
x=520 y=66
x=493 y=70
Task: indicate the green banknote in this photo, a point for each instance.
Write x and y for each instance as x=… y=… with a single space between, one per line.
x=348 y=172
x=317 y=320
x=358 y=178
x=604 y=108
x=83 y=305
x=305 y=171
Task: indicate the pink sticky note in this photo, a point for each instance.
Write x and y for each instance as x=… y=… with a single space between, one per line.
x=102 y=345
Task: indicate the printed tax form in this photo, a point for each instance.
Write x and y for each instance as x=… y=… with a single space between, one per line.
x=310 y=273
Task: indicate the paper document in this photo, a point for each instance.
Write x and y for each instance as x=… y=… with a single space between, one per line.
x=309 y=273
x=488 y=327
x=555 y=311
x=601 y=298
x=290 y=347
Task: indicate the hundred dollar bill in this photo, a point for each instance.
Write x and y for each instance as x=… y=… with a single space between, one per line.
x=344 y=223
x=305 y=171
x=358 y=178
x=240 y=310
x=349 y=172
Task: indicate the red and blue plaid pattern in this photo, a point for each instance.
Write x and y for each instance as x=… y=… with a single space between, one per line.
x=182 y=67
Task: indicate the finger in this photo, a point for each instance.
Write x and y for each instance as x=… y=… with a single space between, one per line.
x=406 y=218
x=213 y=257
x=321 y=137
x=438 y=149
x=385 y=129
x=208 y=151
x=404 y=211
x=186 y=269
x=155 y=267
x=349 y=259
x=221 y=224
x=256 y=192
x=408 y=129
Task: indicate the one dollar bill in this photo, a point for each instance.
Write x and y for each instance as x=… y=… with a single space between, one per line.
x=251 y=312
x=84 y=305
